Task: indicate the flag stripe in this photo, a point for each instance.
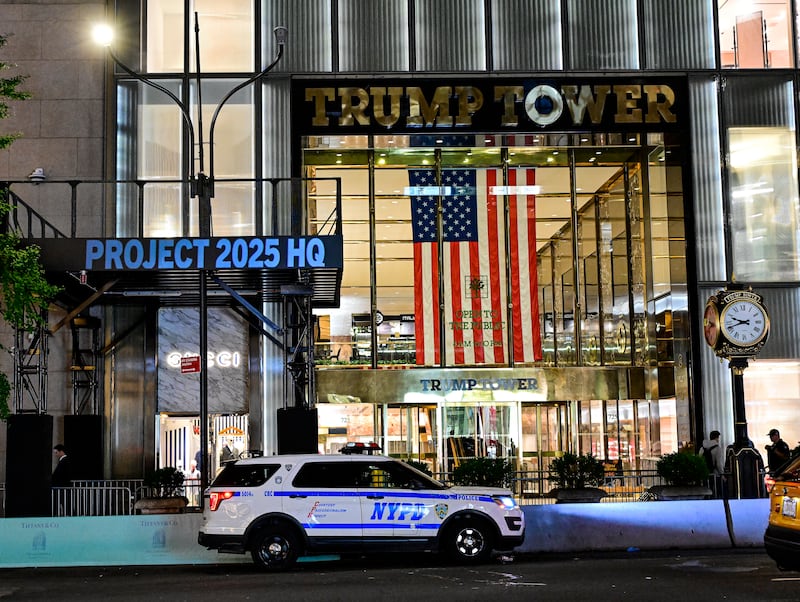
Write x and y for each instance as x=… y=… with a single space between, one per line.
x=497 y=291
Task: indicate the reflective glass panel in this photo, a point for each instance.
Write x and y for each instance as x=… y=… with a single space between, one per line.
x=764 y=204
x=755 y=35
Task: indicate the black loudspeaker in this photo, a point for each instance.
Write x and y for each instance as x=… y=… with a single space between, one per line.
x=29 y=464
x=83 y=438
x=297 y=431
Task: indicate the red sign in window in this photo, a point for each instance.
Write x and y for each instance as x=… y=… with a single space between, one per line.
x=190 y=364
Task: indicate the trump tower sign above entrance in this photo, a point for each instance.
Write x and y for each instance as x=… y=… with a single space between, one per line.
x=466 y=104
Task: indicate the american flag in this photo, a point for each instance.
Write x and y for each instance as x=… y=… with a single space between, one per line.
x=476 y=286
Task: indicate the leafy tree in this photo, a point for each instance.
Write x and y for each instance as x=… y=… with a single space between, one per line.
x=24 y=291
x=9 y=90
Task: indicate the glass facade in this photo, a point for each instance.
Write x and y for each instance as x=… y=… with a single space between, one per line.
x=585 y=303
x=618 y=251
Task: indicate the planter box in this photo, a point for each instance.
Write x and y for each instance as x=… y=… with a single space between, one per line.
x=578 y=496
x=161 y=505
x=675 y=492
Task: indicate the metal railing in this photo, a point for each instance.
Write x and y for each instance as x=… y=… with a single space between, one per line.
x=111 y=497
x=531 y=488
x=32 y=214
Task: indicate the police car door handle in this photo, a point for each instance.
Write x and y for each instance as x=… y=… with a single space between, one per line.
x=374 y=497
x=294 y=495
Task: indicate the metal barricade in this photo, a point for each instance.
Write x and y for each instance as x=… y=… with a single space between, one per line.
x=94 y=498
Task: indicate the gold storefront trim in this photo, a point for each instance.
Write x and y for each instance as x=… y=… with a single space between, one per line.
x=432 y=385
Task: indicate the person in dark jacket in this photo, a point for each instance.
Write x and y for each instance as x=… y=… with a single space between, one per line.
x=777 y=452
x=62 y=475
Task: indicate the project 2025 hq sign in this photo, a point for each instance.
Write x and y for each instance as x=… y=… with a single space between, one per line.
x=247 y=253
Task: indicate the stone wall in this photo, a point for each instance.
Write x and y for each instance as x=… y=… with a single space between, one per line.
x=61 y=130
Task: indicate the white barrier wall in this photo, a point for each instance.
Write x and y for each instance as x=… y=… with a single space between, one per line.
x=172 y=539
x=646 y=526
x=105 y=541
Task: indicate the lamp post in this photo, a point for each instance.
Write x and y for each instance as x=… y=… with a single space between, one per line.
x=201 y=185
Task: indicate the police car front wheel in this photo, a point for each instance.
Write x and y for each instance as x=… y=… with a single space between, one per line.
x=275 y=548
x=469 y=541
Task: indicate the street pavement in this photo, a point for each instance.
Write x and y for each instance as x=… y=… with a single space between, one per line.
x=675 y=576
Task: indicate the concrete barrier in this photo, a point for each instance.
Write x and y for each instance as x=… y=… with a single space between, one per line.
x=646 y=525
x=172 y=539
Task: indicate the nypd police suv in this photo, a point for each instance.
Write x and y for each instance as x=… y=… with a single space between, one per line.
x=281 y=507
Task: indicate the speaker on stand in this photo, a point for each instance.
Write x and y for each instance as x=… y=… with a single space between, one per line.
x=297 y=431
x=29 y=464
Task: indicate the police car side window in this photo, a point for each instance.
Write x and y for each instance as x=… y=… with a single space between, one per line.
x=388 y=475
x=245 y=475
x=327 y=475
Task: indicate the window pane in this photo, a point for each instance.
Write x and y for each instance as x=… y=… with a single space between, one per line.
x=159 y=157
x=165 y=28
x=226 y=35
x=232 y=148
x=755 y=35
x=602 y=35
x=678 y=35
x=394 y=271
x=764 y=204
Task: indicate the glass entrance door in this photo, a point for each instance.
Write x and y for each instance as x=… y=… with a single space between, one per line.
x=478 y=430
x=545 y=433
x=411 y=433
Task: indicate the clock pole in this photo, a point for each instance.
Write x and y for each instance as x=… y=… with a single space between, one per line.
x=742 y=439
x=743 y=461
x=736 y=327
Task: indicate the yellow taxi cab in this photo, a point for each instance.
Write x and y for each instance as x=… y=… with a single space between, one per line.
x=782 y=537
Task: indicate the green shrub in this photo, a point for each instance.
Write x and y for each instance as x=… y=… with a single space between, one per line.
x=576 y=471
x=486 y=472
x=164 y=482
x=684 y=469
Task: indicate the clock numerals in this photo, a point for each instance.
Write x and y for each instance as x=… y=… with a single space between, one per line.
x=744 y=323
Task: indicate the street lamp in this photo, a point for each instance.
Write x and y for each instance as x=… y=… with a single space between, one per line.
x=200 y=185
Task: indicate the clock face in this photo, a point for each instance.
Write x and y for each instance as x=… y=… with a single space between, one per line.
x=744 y=323
x=711 y=324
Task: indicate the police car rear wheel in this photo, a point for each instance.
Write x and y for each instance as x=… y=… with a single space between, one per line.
x=275 y=549
x=469 y=541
